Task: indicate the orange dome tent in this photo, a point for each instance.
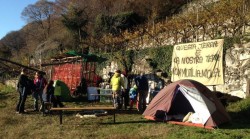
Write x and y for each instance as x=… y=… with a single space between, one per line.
x=177 y=100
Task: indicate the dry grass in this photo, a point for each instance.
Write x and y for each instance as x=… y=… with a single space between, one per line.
x=129 y=125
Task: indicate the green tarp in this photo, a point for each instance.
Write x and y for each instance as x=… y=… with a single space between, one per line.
x=87 y=57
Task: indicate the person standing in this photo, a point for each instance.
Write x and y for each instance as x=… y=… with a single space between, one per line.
x=125 y=91
x=48 y=96
x=23 y=88
x=132 y=96
x=117 y=83
x=57 y=94
x=142 y=88
x=48 y=92
x=39 y=83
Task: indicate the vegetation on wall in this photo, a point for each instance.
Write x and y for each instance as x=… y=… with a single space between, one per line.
x=162 y=58
x=159 y=58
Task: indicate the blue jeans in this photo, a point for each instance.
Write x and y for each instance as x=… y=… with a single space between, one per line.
x=37 y=96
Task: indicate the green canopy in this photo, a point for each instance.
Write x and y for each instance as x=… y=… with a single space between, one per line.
x=74 y=53
x=88 y=57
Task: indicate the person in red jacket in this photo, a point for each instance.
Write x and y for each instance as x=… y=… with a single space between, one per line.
x=39 y=83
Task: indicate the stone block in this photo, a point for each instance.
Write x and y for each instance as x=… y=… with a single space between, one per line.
x=238 y=93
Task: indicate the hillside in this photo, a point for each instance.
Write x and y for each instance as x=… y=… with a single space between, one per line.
x=110 y=26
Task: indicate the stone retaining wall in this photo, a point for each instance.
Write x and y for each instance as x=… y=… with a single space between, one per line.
x=237 y=71
x=12 y=83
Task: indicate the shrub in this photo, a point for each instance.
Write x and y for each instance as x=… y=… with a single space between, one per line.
x=6 y=89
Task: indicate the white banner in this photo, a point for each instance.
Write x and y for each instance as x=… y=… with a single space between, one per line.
x=201 y=61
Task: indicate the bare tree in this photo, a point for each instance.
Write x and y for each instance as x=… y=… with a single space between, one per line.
x=40 y=13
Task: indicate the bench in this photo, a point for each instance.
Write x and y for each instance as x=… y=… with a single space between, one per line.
x=113 y=109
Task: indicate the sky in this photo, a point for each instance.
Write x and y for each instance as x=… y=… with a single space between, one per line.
x=10 y=15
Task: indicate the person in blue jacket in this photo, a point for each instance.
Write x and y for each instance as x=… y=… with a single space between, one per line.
x=132 y=96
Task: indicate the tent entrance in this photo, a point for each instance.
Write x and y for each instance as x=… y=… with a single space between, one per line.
x=180 y=105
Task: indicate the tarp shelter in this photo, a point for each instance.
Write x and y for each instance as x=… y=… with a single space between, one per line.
x=76 y=70
x=178 y=99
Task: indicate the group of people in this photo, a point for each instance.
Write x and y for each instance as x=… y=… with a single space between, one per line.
x=121 y=92
x=40 y=89
x=44 y=91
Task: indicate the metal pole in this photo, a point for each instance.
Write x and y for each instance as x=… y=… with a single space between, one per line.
x=60 y=116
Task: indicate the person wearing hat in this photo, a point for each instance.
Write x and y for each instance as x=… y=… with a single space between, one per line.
x=132 y=96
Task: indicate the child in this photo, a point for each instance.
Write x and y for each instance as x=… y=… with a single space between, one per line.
x=132 y=96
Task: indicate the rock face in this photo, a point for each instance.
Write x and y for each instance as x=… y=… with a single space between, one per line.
x=12 y=83
x=237 y=71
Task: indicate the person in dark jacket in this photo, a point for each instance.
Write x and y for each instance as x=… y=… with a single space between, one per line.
x=142 y=89
x=48 y=91
x=48 y=96
x=23 y=90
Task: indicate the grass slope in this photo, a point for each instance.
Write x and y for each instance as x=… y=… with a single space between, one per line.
x=129 y=124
